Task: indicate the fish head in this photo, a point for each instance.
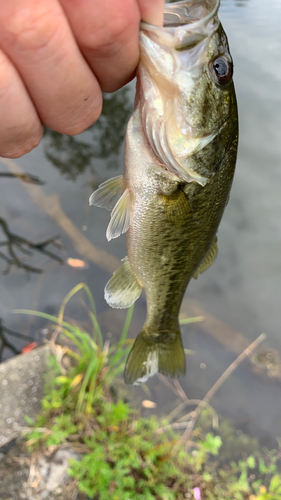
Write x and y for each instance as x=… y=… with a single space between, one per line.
x=186 y=92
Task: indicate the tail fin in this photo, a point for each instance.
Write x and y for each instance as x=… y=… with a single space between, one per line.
x=152 y=353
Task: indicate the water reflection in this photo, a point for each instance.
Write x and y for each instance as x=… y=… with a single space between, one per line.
x=5 y=343
x=14 y=251
x=14 y=243
x=241 y=3
x=237 y=3
x=31 y=179
x=73 y=155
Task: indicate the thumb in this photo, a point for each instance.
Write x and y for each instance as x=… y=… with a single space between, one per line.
x=151 y=11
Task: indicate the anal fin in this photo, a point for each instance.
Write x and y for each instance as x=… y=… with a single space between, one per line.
x=208 y=259
x=122 y=290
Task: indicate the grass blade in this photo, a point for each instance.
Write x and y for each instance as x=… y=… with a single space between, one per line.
x=126 y=325
x=97 y=330
x=50 y=317
x=195 y=319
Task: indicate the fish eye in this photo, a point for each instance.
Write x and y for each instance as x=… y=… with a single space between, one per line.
x=222 y=70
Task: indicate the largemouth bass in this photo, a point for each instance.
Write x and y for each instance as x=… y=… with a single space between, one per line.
x=179 y=161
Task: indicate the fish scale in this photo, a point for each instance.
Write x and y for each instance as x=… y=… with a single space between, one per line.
x=179 y=160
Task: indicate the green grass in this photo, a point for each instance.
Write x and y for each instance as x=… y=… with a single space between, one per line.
x=129 y=457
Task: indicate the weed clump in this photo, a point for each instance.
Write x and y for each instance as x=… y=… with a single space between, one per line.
x=125 y=456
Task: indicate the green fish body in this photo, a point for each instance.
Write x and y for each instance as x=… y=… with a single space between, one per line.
x=180 y=155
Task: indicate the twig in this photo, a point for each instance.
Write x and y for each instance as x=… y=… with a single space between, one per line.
x=246 y=353
x=188 y=402
x=180 y=390
x=207 y=405
x=175 y=425
x=167 y=383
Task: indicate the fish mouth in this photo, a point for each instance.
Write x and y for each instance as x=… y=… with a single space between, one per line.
x=189 y=11
x=173 y=58
x=186 y=22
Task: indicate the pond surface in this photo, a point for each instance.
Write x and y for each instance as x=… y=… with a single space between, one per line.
x=239 y=293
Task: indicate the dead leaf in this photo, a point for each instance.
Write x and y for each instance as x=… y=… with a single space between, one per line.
x=148 y=404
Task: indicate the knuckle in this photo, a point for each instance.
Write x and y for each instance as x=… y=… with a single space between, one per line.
x=80 y=121
x=117 y=28
x=78 y=127
x=22 y=147
x=30 y=29
x=107 y=37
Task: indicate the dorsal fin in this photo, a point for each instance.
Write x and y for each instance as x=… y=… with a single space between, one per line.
x=108 y=193
x=208 y=259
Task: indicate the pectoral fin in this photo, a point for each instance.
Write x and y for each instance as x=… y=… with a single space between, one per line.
x=208 y=259
x=177 y=206
x=108 y=193
x=120 y=217
x=122 y=290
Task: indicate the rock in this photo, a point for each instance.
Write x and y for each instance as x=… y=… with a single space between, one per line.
x=21 y=391
x=54 y=471
x=42 y=475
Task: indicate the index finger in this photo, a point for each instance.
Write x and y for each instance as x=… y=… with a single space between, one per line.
x=38 y=40
x=107 y=33
x=152 y=11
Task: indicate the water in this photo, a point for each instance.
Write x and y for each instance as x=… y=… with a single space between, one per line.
x=241 y=289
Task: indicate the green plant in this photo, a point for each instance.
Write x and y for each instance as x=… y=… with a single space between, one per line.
x=209 y=446
x=131 y=462
x=272 y=493
x=133 y=458
x=95 y=364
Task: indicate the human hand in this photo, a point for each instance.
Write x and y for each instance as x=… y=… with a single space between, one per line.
x=56 y=56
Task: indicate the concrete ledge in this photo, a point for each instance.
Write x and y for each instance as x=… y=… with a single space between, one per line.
x=21 y=391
